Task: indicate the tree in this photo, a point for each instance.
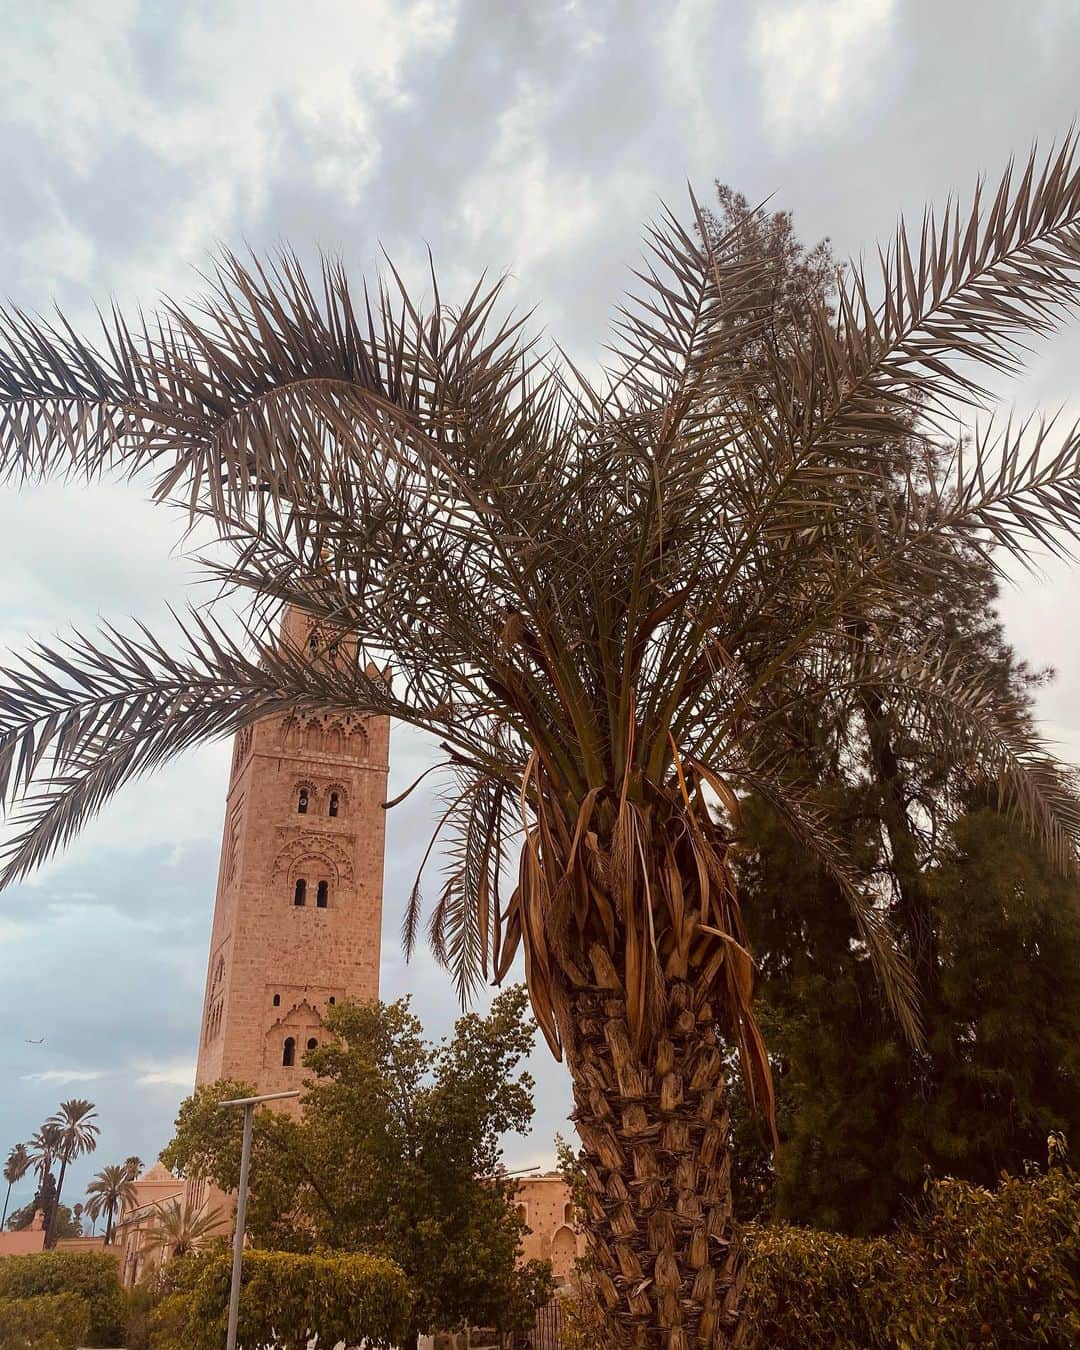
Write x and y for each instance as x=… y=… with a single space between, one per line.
x=133 y=1166
x=180 y=1229
x=44 y=1145
x=15 y=1168
x=397 y=1153
x=108 y=1193
x=76 y=1134
x=609 y=602
x=65 y=1224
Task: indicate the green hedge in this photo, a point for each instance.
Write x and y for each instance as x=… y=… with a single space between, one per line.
x=48 y=1322
x=94 y=1276
x=977 y=1268
x=285 y=1299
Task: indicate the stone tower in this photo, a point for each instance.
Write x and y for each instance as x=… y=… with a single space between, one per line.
x=298 y=914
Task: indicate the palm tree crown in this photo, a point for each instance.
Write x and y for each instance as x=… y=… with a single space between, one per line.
x=76 y=1128
x=180 y=1228
x=76 y=1131
x=611 y=602
x=43 y=1148
x=17 y=1164
x=15 y=1168
x=108 y=1193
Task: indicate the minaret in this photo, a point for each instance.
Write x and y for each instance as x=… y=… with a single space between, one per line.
x=298 y=914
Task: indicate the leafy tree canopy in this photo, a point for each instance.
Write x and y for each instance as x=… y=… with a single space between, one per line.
x=397 y=1153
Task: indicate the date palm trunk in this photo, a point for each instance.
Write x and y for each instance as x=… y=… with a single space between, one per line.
x=657 y=1159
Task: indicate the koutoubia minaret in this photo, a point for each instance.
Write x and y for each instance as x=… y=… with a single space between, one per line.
x=298 y=914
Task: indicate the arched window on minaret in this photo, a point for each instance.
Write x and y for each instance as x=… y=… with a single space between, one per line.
x=302 y=802
x=277 y=1000
x=335 y=804
x=312 y=1044
x=322 y=895
x=288 y=1054
x=299 y=895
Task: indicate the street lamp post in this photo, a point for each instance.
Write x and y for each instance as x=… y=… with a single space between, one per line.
x=249 y=1104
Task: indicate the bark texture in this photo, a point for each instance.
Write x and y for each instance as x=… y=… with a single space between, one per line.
x=655 y=1134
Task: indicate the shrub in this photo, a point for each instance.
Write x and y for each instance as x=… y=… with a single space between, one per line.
x=285 y=1299
x=47 y=1322
x=94 y=1276
x=976 y=1268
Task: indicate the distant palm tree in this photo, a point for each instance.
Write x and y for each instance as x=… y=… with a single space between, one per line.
x=44 y=1145
x=180 y=1228
x=133 y=1166
x=76 y=1134
x=108 y=1193
x=17 y=1165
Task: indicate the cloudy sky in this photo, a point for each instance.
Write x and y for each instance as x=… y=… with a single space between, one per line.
x=513 y=135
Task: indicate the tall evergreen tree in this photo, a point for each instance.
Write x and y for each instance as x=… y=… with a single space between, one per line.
x=861 y=1114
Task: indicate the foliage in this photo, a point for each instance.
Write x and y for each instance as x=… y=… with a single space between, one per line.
x=861 y=1118
x=65 y=1225
x=44 y=1322
x=16 y=1166
x=397 y=1152
x=108 y=1192
x=140 y=1302
x=1000 y=1269
x=860 y=1113
x=91 y=1275
x=44 y=1148
x=75 y=1129
x=285 y=1299
x=615 y=604
x=180 y=1228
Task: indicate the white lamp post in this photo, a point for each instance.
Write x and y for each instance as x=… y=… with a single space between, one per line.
x=249 y=1104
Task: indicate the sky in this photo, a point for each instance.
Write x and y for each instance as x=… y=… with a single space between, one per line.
x=518 y=136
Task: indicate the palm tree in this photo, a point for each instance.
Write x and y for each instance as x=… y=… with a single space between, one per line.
x=133 y=1166
x=77 y=1133
x=611 y=601
x=17 y=1165
x=43 y=1148
x=179 y=1228
x=108 y=1193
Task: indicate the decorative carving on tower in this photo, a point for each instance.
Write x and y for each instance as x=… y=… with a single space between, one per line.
x=298 y=914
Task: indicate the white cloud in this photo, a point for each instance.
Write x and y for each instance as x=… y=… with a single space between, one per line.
x=64 y=1076
x=520 y=198
x=172 y=1075
x=215 y=120
x=817 y=57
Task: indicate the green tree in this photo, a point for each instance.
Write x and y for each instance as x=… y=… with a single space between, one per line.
x=15 y=1168
x=397 y=1153
x=76 y=1133
x=180 y=1228
x=107 y=1193
x=65 y=1224
x=611 y=602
